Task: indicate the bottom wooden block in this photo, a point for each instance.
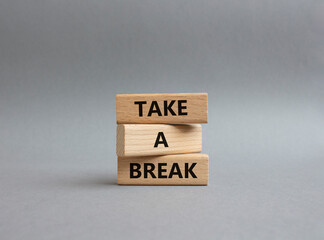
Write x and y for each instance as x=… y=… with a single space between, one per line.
x=179 y=169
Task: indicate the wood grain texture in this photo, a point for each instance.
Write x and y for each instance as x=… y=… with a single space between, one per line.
x=194 y=105
x=141 y=139
x=137 y=176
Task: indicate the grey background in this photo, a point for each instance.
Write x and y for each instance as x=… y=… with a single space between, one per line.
x=63 y=61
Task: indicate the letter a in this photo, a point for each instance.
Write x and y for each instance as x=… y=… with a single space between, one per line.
x=157 y=141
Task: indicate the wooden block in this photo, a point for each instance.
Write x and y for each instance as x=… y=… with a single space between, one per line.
x=172 y=108
x=158 y=139
x=180 y=169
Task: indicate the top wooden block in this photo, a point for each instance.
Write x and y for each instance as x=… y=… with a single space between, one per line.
x=172 y=108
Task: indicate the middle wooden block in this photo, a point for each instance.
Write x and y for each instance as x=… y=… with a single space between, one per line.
x=158 y=139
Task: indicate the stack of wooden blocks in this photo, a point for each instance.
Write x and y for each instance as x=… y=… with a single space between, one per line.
x=156 y=136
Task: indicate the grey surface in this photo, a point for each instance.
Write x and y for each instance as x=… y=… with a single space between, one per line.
x=61 y=64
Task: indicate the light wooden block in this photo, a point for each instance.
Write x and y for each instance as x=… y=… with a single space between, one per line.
x=158 y=139
x=180 y=169
x=172 y=108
